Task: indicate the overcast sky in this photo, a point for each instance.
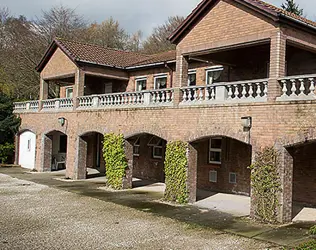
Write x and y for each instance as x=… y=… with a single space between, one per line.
x=133 y=15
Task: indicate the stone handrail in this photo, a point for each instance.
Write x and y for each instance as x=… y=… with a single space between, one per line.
x=241 y=91
x=56 y=104
x=295 y=88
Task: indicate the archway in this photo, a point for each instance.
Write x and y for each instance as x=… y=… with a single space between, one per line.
x=222 y=178
x=303 y=180
x=27 y=149
x=92 y=161
x=55 y=151
x=148 y=159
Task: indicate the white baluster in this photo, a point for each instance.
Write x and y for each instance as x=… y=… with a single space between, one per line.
x=265 y=89
x=230 y=92
x=213 y=94
x=293 y=89
x=284 y=88
x=243 y=92
x=311 y=88
x=302 y=88
x=168 y=95
x=190 y=96
x=195 y=96
x=185 y=96
x=207 y=93
x=201 y=93
x=251 y=90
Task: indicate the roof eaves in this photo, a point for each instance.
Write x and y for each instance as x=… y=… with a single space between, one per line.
x=100 y=64
x=48 y=51
x=150 y=65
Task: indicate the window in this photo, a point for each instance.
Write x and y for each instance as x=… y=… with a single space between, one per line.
x=192 y=78
x=160 y=82
x=215 y=150
x=136 y=147
x=213 y=176
x=232 y=178
x=156 y=143
x=213 y=74
x=69 y=92
x=29 y=145
x=141 y=84
x=63 y=144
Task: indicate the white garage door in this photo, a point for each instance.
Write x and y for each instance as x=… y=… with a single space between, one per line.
x=27 y=150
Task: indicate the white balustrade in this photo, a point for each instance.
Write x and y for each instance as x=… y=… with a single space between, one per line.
x=243 y=91
x=296 y=88
x=20 y=107
x=57 y=104
x=160 y=97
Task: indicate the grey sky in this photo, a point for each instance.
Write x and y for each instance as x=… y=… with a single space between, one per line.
x=132 y=14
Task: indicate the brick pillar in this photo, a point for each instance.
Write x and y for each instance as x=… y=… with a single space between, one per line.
x=252 y=204
x=43 y=89
x=277 y=65
x=286 y=176
x=46 y=154
x=128 y=179
x=192 y=155
x=181 y=77
x=79 y=85
x=77 y=171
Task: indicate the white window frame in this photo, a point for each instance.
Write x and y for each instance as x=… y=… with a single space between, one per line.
x=138 y=79
x=211 y=149
x=159 y=77
x=67 y=90
x=191 y=72
x=136 y=145
x=210 y=174
x=212 y=69
x=235 y=174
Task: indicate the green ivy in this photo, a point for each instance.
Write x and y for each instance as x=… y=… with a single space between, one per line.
x=176 y=172
x=266 y=185
x=312 y=230
x=115 y=159
x=310 y=245
x=6 y=151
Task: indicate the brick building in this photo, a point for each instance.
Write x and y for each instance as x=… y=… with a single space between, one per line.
x=241 y=78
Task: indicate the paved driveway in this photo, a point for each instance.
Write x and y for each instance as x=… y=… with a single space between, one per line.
x=35 y=216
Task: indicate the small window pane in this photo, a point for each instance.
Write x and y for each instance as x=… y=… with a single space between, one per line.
x=29 y=145
x=157 y=152
x=69 y=92
x=213 y=176
x=161 y=82
x=232 y=178
x=216 y=143
x=215 y=157
x=141 y=85
x=136 y=150
x=192 y=79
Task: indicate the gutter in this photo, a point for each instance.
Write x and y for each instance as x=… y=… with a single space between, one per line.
x=297 y=21
x=100 y=64
x=150 y=65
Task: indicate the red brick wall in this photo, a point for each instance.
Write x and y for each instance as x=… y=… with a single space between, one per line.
x=304 y=173
x=236 y=157
x=145 y=166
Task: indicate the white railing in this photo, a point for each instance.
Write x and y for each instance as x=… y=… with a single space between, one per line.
x=242 y=91
x=57 y=104
x=20 y=106
x=34 y=105
x=121 y=99
x=29 y=106
x=296 y=88
x=161 y=96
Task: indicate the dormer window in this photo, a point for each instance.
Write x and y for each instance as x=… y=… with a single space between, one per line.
x=213 y=74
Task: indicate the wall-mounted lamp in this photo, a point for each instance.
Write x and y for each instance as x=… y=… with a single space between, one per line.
x=246 y=122
x=61 y=121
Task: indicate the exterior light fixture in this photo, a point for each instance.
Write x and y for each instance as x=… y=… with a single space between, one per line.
x=61 y=121
x=246 y=122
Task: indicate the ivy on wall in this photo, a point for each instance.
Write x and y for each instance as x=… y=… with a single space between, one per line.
x=115 y=159
x=266 y=185
x=176 y=172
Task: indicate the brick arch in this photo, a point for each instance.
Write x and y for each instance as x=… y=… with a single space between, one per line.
x=212 y=132
x=21 y=131
x=299 y=138
x=90 y=132
x=157 y=133
x=82 y=132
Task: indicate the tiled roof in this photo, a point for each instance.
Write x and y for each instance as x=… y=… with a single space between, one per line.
x=94 y=54
x=267 y=8
x=89 y=53
x=167 y=56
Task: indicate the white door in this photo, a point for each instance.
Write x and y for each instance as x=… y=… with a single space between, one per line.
x=27 y=150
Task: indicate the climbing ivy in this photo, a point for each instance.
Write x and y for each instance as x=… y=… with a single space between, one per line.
x=266 y=184
x=115 y=159
x=176 y=172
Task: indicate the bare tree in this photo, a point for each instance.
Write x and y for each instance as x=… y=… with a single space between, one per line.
x=134 y=42
x=157 y=41
x=60 y=21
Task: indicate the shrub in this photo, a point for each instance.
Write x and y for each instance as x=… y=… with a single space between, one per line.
x=312 y=230
x=266 y=185
x=115 y=160
x=310 y=245
x=6 y=152
x=176 y=172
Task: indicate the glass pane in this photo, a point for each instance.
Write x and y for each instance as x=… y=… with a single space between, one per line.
x=215 y=156
x=157 y=152
x=161 y=82
x=136 y=150
x=141 y=85
x=192 y=79
x=69 y=93
x=216 y=143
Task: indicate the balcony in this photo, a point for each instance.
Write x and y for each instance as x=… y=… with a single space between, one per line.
x=294 y=88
